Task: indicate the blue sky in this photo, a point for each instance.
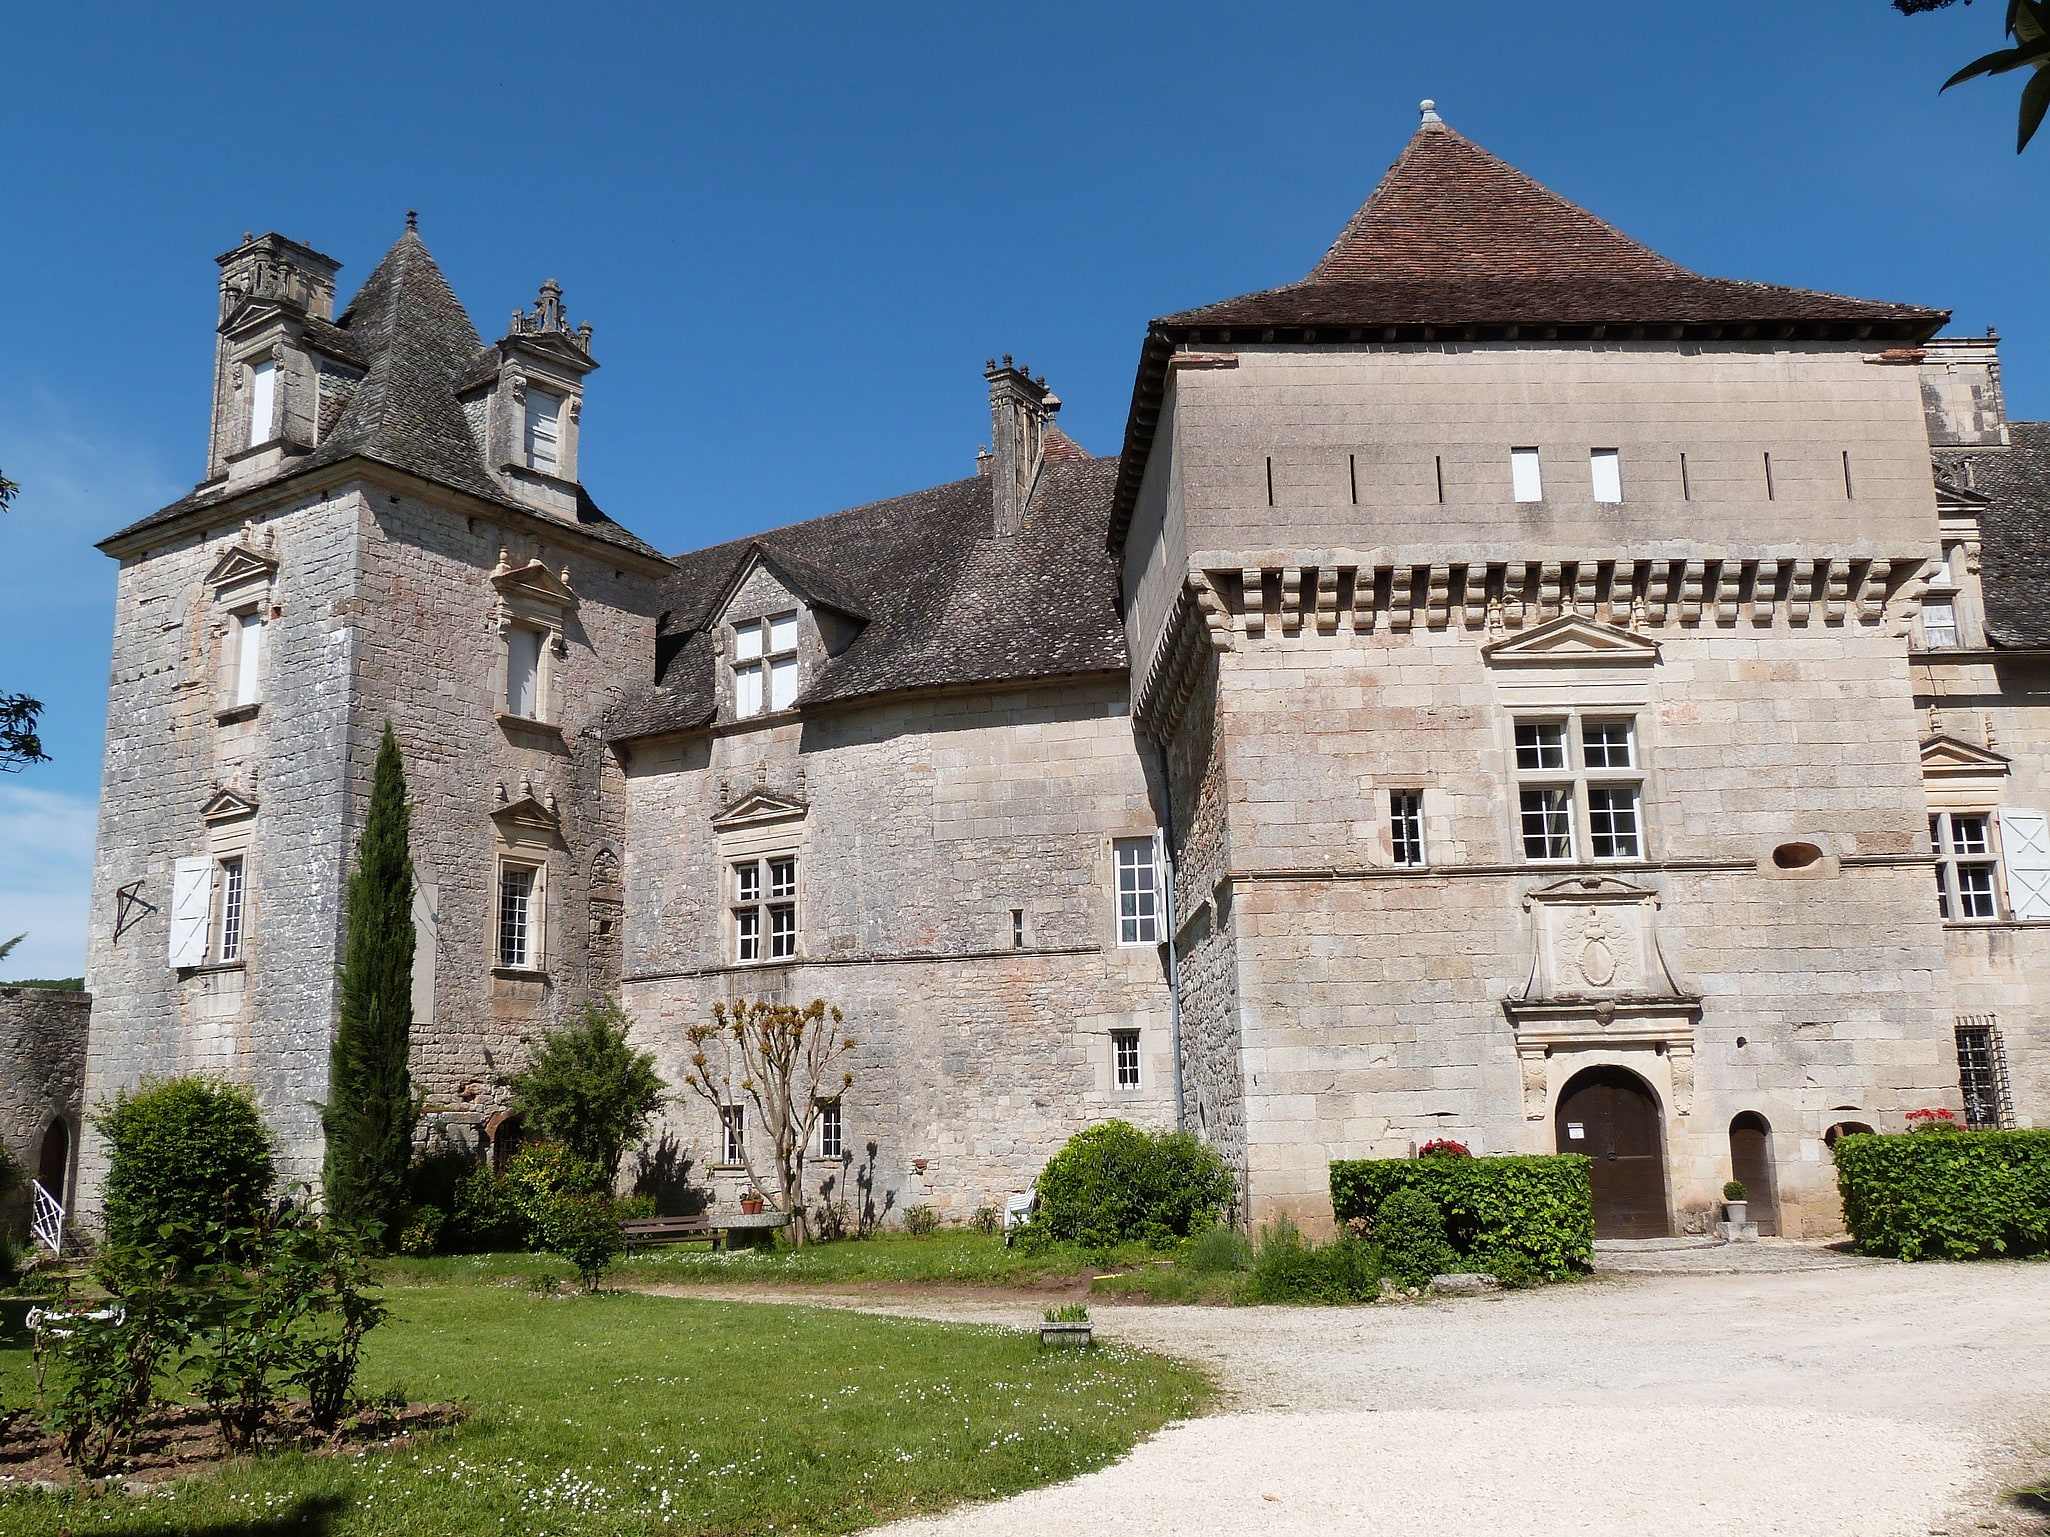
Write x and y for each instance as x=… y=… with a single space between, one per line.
x=798 y=230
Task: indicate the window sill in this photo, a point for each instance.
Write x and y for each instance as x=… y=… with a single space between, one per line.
x=213 y=968
x=235 y=713
x=520 y=973
x=528 y=723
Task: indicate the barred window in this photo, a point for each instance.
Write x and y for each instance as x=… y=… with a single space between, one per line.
x=1125 y=1053
x=732 y=1129
x=517 y=915
x=1982 y=1073
x=1406 y=826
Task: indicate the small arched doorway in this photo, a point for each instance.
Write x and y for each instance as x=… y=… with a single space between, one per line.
x=54 y=1162
x=504 y=1137
x=1611 y=1115
x=1751 y=1166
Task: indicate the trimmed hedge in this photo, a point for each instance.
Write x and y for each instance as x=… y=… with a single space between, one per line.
x=1527 y=1214
x=1946 y=1195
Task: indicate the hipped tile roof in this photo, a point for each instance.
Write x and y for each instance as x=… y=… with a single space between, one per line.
x=1456 y=243
x=948 y=602
x=2014 y=531
x=419 y=349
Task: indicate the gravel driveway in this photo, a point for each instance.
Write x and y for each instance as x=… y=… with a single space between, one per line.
x=1877 y=1400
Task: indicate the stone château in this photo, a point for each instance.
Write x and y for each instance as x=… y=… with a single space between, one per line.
x=1508 y=688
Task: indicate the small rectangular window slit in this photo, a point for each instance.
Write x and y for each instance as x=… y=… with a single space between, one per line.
x=1352 y=473
x=1439 y=461
x=1686 y=491
x=1017 y=928
x=1768 y=479
x=1848 y=493
x=1270 y=481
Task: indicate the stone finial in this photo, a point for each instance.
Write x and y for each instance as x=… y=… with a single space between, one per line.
x=526 y=789
x=502 y=796
x=412 y=220
x=1429 y=109
x=1986 y=725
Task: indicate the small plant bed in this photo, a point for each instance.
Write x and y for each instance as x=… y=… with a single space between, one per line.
x=603 y=1414
x=180 y=1440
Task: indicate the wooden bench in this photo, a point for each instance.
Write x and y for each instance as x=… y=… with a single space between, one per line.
x=644 y=1232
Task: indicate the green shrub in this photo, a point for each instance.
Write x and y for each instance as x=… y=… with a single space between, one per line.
x=1286 y=1267
x=588 y=1088
x=183 y=1152
x=1532 y=1213
x=1114 y=1183
x=1961 y=1195
x=987 y=1221
x=420 y=1232
x=921 y=1221
x=1409 y=1228
x=1216 y=1251
x=13 y=1259
x=483 y=1216
x=1733 y=1190
x=542 y=1174
x=587 y=1231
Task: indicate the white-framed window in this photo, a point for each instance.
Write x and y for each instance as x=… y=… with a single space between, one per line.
x=523 y=647
x=519 y=917
x=1406 y=826
x=229 y=907
x=1138 y=892
x=764 y=665
x=1966 y=865
x=263 y=401
x=1124 y=1050
x=1605 y=468
x=247 y=639
x=765 y=902
x=1017 y=928
x=1939 y=624
x=544 y=430
x=1525 y=476
x=1580 y=788
x=732 y=1134
x=830 y=1144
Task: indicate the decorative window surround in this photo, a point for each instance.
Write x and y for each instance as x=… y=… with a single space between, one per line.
x=533 y=610
x=761 y=843
x=210 y=898
x=527 y=834
x=1967 y=866
x=241 y=583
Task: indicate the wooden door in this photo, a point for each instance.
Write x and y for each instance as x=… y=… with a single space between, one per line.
x=1751 y=1165
x=1610 y=1115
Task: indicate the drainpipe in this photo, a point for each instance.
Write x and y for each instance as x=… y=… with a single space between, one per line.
x=1174 y=967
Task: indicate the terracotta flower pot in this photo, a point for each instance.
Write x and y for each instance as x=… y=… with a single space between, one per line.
x=750 y=1206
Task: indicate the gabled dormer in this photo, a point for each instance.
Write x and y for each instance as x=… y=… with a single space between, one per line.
x=281 y=367
x=779 y=621
x=525 y=398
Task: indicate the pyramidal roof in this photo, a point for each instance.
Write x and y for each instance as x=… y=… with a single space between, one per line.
x=1456 y=237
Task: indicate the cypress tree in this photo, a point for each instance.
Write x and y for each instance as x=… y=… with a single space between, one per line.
x=370 y=1113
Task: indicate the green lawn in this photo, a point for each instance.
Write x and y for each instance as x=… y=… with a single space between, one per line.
x=632 y=1414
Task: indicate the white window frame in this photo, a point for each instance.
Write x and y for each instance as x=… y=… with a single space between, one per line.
x=542 y=440
x=732 y=1136
x=1572 y=775
x=1137 y=865
x=230 y=921
x=763 y=904
x=765 y=669
x=1526 y=475
x=246 y=638
x=1605 y=472
x=1124 y=1061
x=1961 y=863
x=1406 y=846
x=532 y=954
x=1943 y=635
x=832 y=1129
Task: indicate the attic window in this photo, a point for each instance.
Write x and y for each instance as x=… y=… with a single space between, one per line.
x=263 y=400
x=1525 y=476
x=1606 y=467
x=544 y=427
x=764 y=665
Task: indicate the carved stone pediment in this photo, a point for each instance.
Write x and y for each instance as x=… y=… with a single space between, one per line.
x=1572 y=641
x=760 y=806
x=1949 y=757
x=243 y=561
x=227 y=804
x=534 y=582
x=527 y=819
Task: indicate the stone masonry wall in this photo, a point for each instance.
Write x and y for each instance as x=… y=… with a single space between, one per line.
x=919 y=826
x=42 y=1080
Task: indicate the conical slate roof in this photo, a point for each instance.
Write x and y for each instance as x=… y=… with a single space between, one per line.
x=1454 y=237
x=419 y=352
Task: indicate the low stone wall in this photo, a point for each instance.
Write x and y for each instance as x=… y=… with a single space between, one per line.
x=42 y=1079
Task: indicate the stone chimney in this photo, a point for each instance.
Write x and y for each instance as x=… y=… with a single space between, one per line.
x=1020 y=406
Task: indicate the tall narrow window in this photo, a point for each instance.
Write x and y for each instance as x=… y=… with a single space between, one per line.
x=733 y=1131
x=248 y=656
x=1939 y=624
x=830 y=1143
x=231 y=910
x=1352 y=475
x=1438 y=464
x=1017 y=928
x=747 y=911
x=764 y=665
x=263 y=401
x=1982 y=1073
x=1768 y=479
x=1138 y=893
x=523 y=673
x=1605 y=465
x=1124 y=1047
x=1686 y=487
x=1848 y=493
x=516 y=917
x=782 y=909
x=544 y=428
x=1525 y=476
x=1406 y=826
x=1965 y=864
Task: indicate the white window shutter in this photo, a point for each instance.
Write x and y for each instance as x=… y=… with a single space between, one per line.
x=2025 y=849
x=192 y=890
x=1162 y=875
x=263 y=401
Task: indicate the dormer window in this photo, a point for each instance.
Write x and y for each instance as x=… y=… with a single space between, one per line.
x=544 y=430
x=764 y=665
x=263 y=401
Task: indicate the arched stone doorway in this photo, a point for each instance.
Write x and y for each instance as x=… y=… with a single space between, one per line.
x=1751 y=1167
x=1611 y=1115
x=54 y=1163
x=1844 y=1129
x=503 y=1137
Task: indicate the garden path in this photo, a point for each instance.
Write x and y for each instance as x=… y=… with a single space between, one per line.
x=1879 y=1400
